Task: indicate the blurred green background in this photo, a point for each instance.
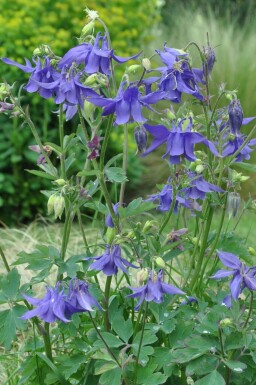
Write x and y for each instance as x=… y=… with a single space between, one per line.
x=133 y=25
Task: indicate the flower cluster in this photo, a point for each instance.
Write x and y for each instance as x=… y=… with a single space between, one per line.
x=56 y=305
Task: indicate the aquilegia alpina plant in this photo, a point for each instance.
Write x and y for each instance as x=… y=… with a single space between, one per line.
x=147 y=301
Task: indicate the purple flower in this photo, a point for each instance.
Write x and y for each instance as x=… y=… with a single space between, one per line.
x=110 y=261
x=198 y=187
x=141 y=137
x=177 y=75
x=179 y=143
x=154 y=290
x=79 y=299
x=210 y=58
x=109 y=221
x=233 y=144
x=41 y=159
x=236 y=116
x=127 y=104
x=96 y=58
x=94 y=146
x=243 y=276
x=43 y=72
x=50 y=308
x=165 y=197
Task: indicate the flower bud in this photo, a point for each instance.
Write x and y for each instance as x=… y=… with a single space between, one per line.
x=170 y=115
x=91 y=80
x=199 y=169
x=60 y=182
x=4 y=90
x=146 y=64
x=59 y=205
x=133 y=68
x=88 y=28
x=141 y=137
x=89 y=108
x=131 y=234
x=142 y=276
x=148 y=226
x=110 y=235
x=210 y=58
x=50 y=203
x=160 y=262
x=252 y=251
x=37 y=52
x=233 y=203
x=236 y=116
x=195 y=241
x=225 y=322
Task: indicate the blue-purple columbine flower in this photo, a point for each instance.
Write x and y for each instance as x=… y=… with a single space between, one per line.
x=154 y=290
x=110 y=261
x=180 y=142
x=141 y=137
x=128 y=103
x=50 y=308
x=165 y=197
x=198 y=187
x=96 y=57
x=79 y=299
x=236 y=116
x=177 y=75
x=109 y=221
x=243 y=276
x=43 y=72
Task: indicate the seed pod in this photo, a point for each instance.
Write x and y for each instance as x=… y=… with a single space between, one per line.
x=141 y=137
x=50 y=204
x=236 y=115
x=59 y=205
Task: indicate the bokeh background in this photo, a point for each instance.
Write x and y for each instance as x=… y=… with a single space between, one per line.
x=133 y=25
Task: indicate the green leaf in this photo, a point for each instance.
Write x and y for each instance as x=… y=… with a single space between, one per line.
x=112 y=160
x=9 y=322
x=10 y=284
x=111 y=340
x=112 y=377
x=41 y=258
x=115 y=174
x=122 y=328
x=148 y=338
x=201 y=366
x=27 y=370
x=88 y=173
x=146 y=375
x=102 y=367
x=97 y=206
x=136 y=207
x=57 y=149
x=214 y=378
x=236 y=366
x=245 y=166
x=70 y=364
x=42 y=174
x=53 y=367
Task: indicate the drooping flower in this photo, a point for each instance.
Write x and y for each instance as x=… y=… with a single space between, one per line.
x=110 y=261
x=96 y=57
x=141 y=137
x=154 y=290
x=109 y=221
x=50 y=308
x=236 y=116
x=94 y=146
x=243 y=276
x=128 y=103
x=43 y=72
x=198 y=187
x=180 y=142
x=79 y=299
x=41 y=159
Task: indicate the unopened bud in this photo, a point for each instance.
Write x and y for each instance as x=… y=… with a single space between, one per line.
x=89 y=109
x=146 y=64
x=88 y=28
x=148 y=226
x=50 y=204
x=133 y=68
x=60 y=182
x=210 y=58
x=225 y=322
x=91 y=80
x=170 y=115
x=236 y=116
x=195 y=241
x=142 y=276
x=37 y=52
x=160 y=262
x=59 y=205
x=110 y=235
x=131 y=234
x=4 y=90
x=199 y=169
x=141 y=137
x=252 y=251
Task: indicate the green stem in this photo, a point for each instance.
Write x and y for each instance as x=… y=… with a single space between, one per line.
x=103 y=340
x=66 y=233
x=183 y=375
x=221 y=342
x=107 y=293
x=6 y=265
x=141 y=339
x=47 y=341
x=250 y=310
x=105 y=142
x=168 y=215
x=61 y=133
x=202 y=249
x=125 y=162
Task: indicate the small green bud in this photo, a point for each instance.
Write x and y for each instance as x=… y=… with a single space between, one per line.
x=59 y=205
x=193 y=166
x=89 y=109
x=91 y=80
x=160 y=262
x=229 y=96
x=146 y=64
x=50 y=204
x=190 y=381
x=131 y=234
x=199 y=169
x=225 y=322
x=231 y=137
x=170 y=115
x=148 y=226
x=4 y=90
x=252 y=251
x=195 y=241
x=133 y=68
x=37 y=52
x=60 y=182
x=88 y=28
x=110 y=235
x=142 y=275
